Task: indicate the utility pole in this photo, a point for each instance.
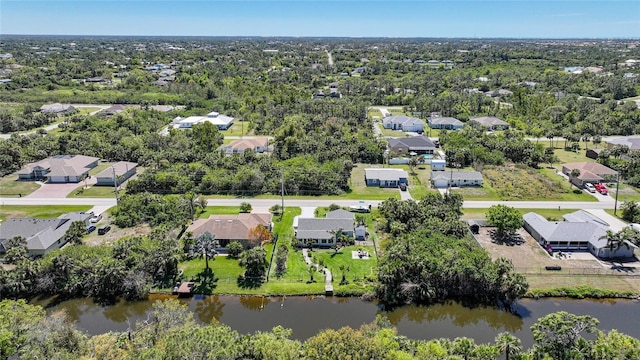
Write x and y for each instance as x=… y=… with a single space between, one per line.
x=615 y=206
x=115 y=184
x=282 y=191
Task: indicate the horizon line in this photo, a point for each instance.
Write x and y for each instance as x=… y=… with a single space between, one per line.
x=330 y=37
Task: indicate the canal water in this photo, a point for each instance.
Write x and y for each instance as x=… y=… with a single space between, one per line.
x=306 y=316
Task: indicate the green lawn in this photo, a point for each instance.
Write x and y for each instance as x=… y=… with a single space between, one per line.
x=39 y=211
x=547 y=213
x=239 y=128
x=95 y=192
x=570 y=156
x=11 y=187
x=219 y=210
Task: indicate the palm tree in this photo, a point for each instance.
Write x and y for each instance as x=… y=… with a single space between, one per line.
x=614 y=241
x=508 y=344
x=205 y=244
x=193 y=202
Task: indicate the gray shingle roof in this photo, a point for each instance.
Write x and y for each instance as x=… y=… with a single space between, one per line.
x=489 y=121
x=40 y=233
x=318 y=228
x=445 y=121
x=566 y=231
x=456 y=175
x=121 y=168
x=400 y=120
x=340 y=214
x=413 y=143
x=385 y=174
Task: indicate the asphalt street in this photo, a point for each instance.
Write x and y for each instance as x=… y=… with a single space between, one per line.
x=312 y=203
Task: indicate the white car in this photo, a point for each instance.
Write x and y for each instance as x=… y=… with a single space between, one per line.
x=96 y=218
x=589 y=187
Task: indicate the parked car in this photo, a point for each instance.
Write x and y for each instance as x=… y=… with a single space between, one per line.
x=103 y=229
x=96 y=218
x=90 y=228
x=601 y=188
x=589 y=187
x=403 y=186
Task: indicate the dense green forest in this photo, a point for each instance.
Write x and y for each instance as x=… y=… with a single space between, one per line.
x=171 y=332
x=270 y=85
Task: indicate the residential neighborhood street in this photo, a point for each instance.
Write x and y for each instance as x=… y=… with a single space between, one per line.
x=265 y=203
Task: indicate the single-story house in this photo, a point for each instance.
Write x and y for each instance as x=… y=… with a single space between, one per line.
x=490 y=122
x=323 y=231
x=416 y=144
x=222 y=122
x=257 y=144
x=404 y=123
x=448 y=123
x=579 y=231
x=57 y=108
x=122 y=170
x=60 y=168
x=113 y=110
x=443 y=179
x=228 y=228
x=633 y=142
x=42 y=235
x=590 y=172
x=438 y=165
x=385 y=177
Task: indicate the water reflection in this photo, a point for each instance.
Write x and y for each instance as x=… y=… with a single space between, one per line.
x=208 y=308
x=458 y=315
x=306 y=316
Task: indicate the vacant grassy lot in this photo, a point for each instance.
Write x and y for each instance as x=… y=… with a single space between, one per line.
x=519 y=183
x=239 y=128
x=41 y=211
x=11 y=187
x=625 y=192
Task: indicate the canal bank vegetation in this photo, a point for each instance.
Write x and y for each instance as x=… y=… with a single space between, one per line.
x=581 y=292
x=128 y=269
x=429 y=256
x=171 y=332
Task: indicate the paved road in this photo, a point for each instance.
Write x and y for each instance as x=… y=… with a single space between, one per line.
x=265 y=203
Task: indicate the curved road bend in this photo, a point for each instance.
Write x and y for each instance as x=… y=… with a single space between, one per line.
x=312 y=203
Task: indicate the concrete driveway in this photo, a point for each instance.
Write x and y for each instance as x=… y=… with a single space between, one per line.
x=56 y=191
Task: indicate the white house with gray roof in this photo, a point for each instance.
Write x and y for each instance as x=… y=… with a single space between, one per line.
x=385 y=177
x=42 y=235
x=122 y=170
x=448 y=123
x=579 y=231
x=60 y=168
x=490 y=122
x=404 y=123
x=444 y=179
x=323 y=231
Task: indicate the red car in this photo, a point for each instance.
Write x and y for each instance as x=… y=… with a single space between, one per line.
x=601 y=188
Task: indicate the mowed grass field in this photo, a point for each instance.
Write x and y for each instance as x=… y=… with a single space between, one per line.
x=38 y=211
x=10 y=186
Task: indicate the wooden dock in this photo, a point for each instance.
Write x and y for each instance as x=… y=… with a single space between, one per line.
x=185 y=289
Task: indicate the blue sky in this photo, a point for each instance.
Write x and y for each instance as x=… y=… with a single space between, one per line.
x=354 y=18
